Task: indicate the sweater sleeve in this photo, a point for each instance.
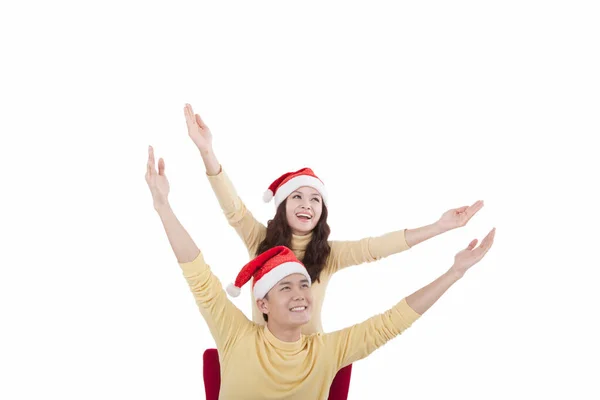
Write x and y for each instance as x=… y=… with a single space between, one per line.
x=225 y=321
x=248 y=228
x=358 y=341
x=347 y=253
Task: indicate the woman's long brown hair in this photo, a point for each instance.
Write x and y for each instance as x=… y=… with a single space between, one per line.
x=279 y=233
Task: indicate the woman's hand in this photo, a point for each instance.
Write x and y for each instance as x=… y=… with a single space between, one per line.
x=458 y=217
x=197 y=129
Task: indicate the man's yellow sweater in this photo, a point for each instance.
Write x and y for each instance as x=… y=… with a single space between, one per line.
x=256 y=365
x=343 y=253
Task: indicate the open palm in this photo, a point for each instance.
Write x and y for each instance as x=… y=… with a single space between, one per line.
x=458 y=217
x=470 y=256
x=197 y=129
x=157 y=181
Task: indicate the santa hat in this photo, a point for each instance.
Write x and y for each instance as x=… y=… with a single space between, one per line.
x=283 y=186
x=267 y=269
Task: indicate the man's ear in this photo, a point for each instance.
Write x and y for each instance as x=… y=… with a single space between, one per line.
x=263 y=305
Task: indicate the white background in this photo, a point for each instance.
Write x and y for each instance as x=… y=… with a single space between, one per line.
x=403 y=109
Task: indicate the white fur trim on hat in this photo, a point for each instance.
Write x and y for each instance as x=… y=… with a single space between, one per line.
x=233 y=290
x=270 y=279
x=293 y=184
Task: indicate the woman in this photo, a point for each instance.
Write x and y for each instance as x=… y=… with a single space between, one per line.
x=277 y=361
x=300 y=223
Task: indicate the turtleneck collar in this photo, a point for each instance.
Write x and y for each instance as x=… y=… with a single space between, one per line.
x=299 y=243
x=280 y=344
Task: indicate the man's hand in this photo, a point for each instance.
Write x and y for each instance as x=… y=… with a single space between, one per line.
x=472 y=255
x=157 y=181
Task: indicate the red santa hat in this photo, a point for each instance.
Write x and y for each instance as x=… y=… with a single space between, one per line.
x=267 y=269
x=283 y=186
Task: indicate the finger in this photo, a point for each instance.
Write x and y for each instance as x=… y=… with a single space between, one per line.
x=478 y=205
x=471 y=211
x=161 y=167
x=189 y=115
x=190 y=111
x=151 y=168
x=199 y=121
x=490 y=236
x=472 y=245
x=488 y=240
x=186 y=113
x=461 y=209
x=151 y=155
x=148 y=167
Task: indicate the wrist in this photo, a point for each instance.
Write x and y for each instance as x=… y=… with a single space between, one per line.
x=454 y=274
x=162 y=208
x=438 y=228
x=206 y=150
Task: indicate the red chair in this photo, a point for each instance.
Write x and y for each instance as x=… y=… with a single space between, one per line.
x=211 y=369
x=341 y=384
x=212 y=378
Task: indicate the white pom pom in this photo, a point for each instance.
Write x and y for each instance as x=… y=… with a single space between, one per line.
x=233 y=290
x=267 y=196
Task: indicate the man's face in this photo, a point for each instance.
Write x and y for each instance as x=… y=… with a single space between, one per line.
x=289 y=302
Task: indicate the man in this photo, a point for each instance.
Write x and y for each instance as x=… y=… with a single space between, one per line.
x=276 y=361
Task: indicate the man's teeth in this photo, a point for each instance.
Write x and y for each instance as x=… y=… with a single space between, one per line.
x=298 y=308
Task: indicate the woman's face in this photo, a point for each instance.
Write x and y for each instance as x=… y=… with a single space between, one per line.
x=303 y=210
